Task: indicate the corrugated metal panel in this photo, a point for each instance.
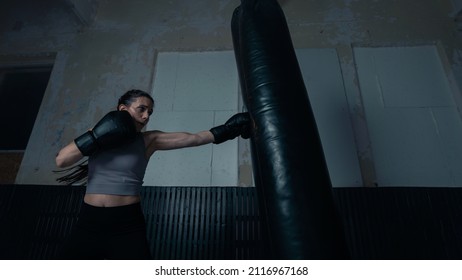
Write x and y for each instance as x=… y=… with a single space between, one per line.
x=224 y=223
x=57 y=212
x=36 y=219
x=182 y=222
x=202 y=223
x=403 y=223
x=6 y=194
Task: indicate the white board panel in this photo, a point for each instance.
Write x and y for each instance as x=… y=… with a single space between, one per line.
x=415 y=130
x=194 y=92
x=323 y=80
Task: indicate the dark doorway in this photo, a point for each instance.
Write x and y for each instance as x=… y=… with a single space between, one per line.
x=21 y=93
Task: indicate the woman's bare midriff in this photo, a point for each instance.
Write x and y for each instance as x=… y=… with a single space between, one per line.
x=110 y=200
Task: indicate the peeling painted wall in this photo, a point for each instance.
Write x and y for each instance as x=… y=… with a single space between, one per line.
x=94 y=63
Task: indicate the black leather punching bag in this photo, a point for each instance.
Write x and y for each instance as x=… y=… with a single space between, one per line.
x=294 y=189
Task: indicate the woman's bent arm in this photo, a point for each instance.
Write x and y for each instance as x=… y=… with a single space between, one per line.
x=68 y=156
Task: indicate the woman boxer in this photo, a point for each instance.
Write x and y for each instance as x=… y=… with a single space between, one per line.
x=111 y=224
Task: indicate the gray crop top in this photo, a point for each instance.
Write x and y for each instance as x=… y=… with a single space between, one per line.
x=118 y=171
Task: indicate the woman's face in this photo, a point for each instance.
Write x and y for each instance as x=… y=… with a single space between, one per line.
x=140 y=110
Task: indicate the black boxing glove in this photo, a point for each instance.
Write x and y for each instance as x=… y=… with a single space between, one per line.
x=237 y=125
x=114 y=129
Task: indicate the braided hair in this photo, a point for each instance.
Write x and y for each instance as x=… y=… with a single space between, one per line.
x=130 y=96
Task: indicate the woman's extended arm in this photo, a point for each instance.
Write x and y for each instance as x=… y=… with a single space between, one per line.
x=237 y=125
x=158 y=140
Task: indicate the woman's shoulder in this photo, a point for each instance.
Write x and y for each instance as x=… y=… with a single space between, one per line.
x=151 y=134
x=150 y=137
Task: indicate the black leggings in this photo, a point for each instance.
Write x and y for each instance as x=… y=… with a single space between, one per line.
x=108 y=233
